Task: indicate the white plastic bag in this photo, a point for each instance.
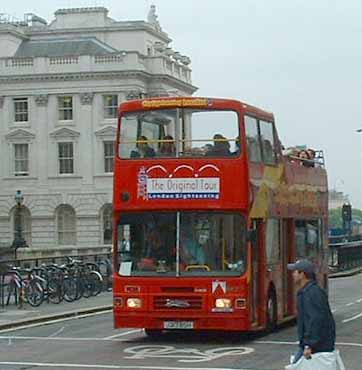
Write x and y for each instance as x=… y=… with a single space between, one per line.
x=319 y=361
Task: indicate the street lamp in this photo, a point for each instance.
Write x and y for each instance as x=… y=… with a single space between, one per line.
x=19 y=241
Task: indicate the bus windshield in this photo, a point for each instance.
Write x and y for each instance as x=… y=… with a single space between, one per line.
x=179 y=133
x=181 y=243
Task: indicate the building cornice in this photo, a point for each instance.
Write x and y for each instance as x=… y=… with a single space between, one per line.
x=109 y=75
x=13 y=30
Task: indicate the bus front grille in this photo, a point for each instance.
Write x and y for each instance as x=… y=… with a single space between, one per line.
x=177 y=303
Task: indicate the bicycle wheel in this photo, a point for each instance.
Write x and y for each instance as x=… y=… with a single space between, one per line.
x=34 y=293
x=87 y=285
x=55 y=292
x=97 y=282
x=70 y=291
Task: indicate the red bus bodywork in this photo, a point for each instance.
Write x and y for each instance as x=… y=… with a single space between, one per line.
x=264 y=294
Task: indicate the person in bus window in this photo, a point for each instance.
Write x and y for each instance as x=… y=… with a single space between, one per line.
x=237 y=147
x=191 y=252
x=143 y=150
x=221 y=147
x=167 y=148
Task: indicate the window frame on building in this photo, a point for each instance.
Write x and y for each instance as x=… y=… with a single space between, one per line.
x=65 y=113
x=107 y=224
x=66 y=224
x=109 y=153
x=64 y=159
x=110 y=109
x=24 y=171
x=21 y=109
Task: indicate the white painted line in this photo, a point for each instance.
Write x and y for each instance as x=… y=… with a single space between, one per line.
x=359 y=300
x=352 y=318
x=65 y=339
x=90 y=366
x=123 y=334
x=275 y=342
x=57 y=332
x=350 y=304
x=28 y=326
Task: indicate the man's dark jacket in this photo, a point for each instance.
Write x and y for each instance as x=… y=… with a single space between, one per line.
x=316 y=326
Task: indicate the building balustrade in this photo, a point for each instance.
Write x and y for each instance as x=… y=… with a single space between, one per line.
x=159 y=64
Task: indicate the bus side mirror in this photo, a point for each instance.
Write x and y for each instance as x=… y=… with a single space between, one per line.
x=251 y=236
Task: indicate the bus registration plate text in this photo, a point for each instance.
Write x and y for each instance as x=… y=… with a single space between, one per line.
x=178 y=325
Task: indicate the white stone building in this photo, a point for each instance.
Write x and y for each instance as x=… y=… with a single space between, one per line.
x=60 y=85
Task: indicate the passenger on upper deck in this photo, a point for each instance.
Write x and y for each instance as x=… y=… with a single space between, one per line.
x=304 y=156
x=221 y=147
x=143 y=150
x=167 y=147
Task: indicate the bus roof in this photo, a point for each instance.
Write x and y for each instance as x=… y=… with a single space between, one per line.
x=194 y=102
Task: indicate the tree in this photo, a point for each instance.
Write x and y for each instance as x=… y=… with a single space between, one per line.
x=335 y=217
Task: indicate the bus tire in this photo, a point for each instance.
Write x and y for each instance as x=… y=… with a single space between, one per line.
x=153 y=333
x=271 y=312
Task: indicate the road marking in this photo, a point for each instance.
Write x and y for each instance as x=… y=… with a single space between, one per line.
x=350 y=304
x=65 y=339
x=57 y=332
x=184 y=354
x=98 y=366
x=123 y=334
x=359 y=300
x=352 y=318
x=29 y=326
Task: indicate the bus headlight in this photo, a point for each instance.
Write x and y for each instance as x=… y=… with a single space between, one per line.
x=134 y=303
x=223 y=303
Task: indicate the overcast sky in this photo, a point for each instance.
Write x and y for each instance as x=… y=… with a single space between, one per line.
x=300 y=59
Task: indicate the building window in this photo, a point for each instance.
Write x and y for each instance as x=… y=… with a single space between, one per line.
x=25 y=223
x=110 y=104
x=108 y=156
x=107 y=224
x=21 y=159
x=66 y=225
x=21 y=109
x=65 y=106
x=66 y=158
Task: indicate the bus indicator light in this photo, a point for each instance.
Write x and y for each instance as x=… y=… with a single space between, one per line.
x=240 y=303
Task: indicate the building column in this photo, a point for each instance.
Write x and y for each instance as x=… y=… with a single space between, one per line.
x=86 y=148
x=40 y=146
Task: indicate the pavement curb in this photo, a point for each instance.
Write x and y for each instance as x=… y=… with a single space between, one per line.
x=60 y=315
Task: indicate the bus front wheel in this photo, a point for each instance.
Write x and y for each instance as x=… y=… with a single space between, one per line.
x=271 y=322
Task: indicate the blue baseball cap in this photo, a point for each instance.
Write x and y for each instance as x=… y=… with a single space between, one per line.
x=302 y=265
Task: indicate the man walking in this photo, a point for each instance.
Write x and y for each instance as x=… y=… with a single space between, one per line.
x=316 y=326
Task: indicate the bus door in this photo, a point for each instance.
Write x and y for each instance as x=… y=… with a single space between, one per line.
x=287 y=243
x=256 y=272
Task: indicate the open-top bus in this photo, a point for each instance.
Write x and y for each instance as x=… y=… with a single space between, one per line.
x=207 y=214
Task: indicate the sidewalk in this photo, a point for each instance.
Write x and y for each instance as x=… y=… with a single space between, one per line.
x=11 y=316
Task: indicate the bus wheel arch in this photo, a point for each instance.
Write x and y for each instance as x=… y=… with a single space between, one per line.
x=271 y=309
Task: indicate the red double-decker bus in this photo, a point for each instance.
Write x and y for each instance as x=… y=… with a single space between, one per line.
x=207 y=214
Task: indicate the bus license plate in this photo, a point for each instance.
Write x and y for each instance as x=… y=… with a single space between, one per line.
x=178 y=325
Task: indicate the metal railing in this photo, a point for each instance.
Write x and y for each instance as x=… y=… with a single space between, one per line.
x=345 y=255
